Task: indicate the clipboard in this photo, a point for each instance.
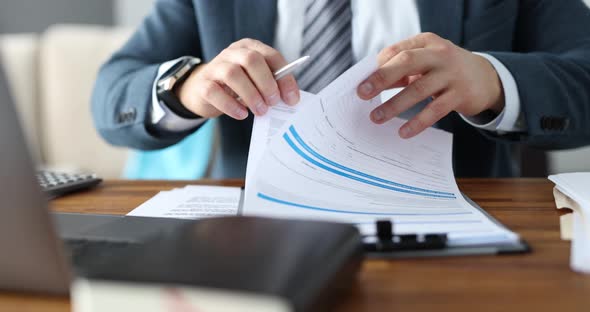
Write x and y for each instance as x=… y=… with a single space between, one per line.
x=435 y=245
x=432 y=245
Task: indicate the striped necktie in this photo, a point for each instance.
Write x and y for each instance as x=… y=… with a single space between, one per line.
x=327 y=37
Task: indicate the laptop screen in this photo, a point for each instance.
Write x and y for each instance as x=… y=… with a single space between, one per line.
x=31 y=255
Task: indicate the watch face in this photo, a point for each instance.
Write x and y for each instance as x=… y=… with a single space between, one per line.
x=177 y=74
x=174 y=69
x=174 y=74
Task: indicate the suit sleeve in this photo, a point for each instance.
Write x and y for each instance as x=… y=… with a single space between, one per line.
x=123 y=91
x=551 y=66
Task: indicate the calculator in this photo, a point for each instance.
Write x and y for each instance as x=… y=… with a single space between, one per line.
x=56 y=184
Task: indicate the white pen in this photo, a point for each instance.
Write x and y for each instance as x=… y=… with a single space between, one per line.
x=289 y=68
x=281 y=73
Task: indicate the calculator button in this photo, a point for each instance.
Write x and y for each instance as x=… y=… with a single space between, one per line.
x=59 y=183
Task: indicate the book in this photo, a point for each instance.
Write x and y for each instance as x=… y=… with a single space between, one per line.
x=226 y=264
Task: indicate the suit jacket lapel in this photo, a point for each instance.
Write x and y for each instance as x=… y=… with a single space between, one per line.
x=442 y=17
x=255 y=19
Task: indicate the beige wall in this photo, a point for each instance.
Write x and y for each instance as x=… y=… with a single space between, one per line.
x=129 y=13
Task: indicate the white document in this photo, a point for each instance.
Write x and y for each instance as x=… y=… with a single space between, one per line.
x=192 y=202
x=265 y=127
x=120 y=296
x=330 y=162
x=571 y=191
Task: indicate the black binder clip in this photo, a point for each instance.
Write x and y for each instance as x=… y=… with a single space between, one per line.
x=384 y=235
x=387 y=241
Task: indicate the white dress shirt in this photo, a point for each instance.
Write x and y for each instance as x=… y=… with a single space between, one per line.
x=376 y=24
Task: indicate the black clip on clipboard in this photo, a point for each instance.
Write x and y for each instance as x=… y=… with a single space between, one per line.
x=388 y=245
x=388 y=242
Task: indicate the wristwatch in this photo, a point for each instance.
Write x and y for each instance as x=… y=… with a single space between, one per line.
x=172 y=79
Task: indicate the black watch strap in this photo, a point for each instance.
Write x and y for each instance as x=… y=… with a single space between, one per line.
x=173 y=103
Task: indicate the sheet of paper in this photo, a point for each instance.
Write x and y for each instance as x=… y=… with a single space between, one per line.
x=565 y=226
x=330 y=162
x=575 y=186
x=192 y=202
x=267 y=126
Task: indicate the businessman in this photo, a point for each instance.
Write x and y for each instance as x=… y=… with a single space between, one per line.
x=496 y=73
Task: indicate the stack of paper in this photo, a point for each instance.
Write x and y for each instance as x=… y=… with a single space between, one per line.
x=324 y=159
x=192 y=202
x=571 y=191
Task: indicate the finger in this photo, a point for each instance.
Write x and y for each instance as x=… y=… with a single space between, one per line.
x=287 y=85
x=255 y=65
x=407 y=63
x=235 y=78
x=432 y=113
x=404 y=82
x=217 y=98
x=414 y=93
x=419 y=41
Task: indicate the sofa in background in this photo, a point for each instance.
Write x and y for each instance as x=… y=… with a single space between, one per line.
x=51 y=76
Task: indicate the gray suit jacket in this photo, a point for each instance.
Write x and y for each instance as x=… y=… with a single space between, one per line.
x=544 y=43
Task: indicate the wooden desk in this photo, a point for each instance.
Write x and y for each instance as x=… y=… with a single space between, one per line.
x=540 y=281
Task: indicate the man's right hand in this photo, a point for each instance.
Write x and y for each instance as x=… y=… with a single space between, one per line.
x=238 y=78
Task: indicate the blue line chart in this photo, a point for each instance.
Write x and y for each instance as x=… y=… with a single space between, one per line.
x=346 y=175
x=339 y=166
x=288 y=203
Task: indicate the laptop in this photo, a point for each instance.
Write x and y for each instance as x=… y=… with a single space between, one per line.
x=40 y=249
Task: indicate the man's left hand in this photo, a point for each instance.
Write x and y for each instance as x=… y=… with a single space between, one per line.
x=430 y=66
